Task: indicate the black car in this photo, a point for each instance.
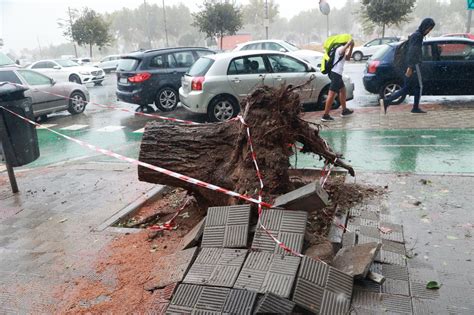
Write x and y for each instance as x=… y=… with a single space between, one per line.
x=154 y=76
x=447 y=69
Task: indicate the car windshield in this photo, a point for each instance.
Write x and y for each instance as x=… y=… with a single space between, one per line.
x=66 y=63
x=200 y=67
x=5 y=60
x=291 y=47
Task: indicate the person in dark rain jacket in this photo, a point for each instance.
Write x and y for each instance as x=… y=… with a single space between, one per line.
x=412 y=79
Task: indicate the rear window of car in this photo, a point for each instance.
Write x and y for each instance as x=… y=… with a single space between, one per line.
x=200 y=67
x=380 y=53
x=128 y=64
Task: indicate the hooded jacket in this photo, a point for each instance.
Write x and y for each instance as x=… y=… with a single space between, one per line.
x=415 y=43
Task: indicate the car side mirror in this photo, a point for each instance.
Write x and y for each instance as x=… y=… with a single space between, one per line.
x=310 y=69
x=17 y=62
x=53 y=82
x=56 y=67
x=283 y=50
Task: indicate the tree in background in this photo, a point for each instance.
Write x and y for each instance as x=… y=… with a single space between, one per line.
x=91 y=29
x=66 y=26
x=217 y=19
x=253 y=14
x=385 y=13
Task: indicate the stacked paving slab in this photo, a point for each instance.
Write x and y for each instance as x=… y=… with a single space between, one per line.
x=231 y=274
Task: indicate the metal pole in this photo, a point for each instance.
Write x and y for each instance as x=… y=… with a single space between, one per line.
x=327 y=25
x=266 y=19
x=11 y=173
x=469 y=20
x=166 y=28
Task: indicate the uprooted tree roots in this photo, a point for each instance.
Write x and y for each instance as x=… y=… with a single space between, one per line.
x=219 y=153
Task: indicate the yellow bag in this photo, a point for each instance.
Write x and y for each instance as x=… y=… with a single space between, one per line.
x=330 y=46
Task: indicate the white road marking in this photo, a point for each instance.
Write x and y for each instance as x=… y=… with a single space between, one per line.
x=428 y=137
x=44 y=126
x=140 y=130
x=110 y=129
x=75 y=127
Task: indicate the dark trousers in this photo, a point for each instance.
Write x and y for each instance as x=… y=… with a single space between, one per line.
x=412 y=85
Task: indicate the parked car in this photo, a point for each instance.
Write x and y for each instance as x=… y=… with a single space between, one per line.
x=311 y=56
x=154 y=76
x=67 y=70
x=75 y=95
x=447 y=69
x=463 y=35
x=84 y=61
x=216 y=84
x=109 y=63
x=5 y=60
x=370 y=48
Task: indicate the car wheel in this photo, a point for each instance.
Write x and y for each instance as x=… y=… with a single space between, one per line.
x=389 y=88
x=166 y=99
x=74 y=78
x=77 y=103
x=222 y=109
x=98 y=82
x=357 y=56
x=323 y=98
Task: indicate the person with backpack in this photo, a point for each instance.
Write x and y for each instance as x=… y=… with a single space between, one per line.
x=407 y=59
x=334 y=66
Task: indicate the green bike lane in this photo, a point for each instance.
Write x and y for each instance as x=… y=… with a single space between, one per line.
x=401 y=150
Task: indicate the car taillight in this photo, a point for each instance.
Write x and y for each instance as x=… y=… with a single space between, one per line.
x=139 y=77
x=372 y=68
x=196 y=84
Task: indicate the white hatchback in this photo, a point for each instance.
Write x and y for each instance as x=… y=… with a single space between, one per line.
x=216 y=84
x=63 y=70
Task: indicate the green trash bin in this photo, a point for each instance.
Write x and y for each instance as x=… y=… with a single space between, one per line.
x=18 y=137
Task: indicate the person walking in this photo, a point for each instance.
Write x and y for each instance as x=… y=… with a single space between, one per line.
x=337 y=86
x=412 y=82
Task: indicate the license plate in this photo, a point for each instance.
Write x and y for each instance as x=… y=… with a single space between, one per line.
x=123 y=80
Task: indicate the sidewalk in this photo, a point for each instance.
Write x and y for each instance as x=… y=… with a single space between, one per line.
x=47 y=233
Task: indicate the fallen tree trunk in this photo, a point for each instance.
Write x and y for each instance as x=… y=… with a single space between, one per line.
x=219 y=154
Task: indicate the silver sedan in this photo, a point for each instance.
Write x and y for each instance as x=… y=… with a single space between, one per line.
x=48 y=96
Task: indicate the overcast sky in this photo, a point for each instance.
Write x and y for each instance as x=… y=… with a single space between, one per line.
x=25 y=22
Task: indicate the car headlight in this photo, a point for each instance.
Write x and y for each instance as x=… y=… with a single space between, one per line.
x=84 y=72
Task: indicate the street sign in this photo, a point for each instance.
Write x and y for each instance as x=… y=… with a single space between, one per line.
x=470 y=4
x=324 y=7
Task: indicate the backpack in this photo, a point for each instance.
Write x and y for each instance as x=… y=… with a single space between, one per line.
x=400 y=56
x=330 y=46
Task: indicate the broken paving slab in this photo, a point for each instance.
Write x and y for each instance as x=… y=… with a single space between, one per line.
x=226 y=227
x=216 y=267
x=321 y=288
x=274 y=304
x=308 y=198
x=197 y=299
x=170 y=269
x=266 y=272
x=287 y=226
x=192 y=238
x=356 y=261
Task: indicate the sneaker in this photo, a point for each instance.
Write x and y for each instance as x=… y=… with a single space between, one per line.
x=418 y=111
x=346 y=112
x=383 y=105
x=326 y=117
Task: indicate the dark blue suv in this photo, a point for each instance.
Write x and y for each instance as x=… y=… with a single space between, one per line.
x=447 y=69
x=154 y=76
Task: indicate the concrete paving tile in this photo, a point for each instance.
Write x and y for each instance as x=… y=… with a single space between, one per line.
x=265 y=272
x=271 y=303
x=240 y=302
x=226 y=227
x=418 y=289
x=393 y=247
x=397 y=304
x=391 y=258
x=366 y=299
x=395 y=272
x=216 y=266
x=392 y=286
x=423 y=275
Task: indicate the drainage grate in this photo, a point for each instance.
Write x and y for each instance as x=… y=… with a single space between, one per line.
x=274 y=304
x=265 y=272
x=216 y=266
x=196 y=299
x=170 y=269
x=287 y=226
x=321 y=288
x=226 y=227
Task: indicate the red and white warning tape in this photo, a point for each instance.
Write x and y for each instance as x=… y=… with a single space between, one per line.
x=169 y=225
x=149 y=166
x=188 y=122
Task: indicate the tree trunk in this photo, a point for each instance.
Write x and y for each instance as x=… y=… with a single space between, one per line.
x=90 y=50
x=383 y=30
x=218 y=153
x=221 y=39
